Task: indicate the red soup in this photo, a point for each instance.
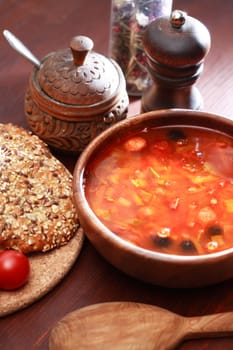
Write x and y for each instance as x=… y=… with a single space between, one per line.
x=167 y=189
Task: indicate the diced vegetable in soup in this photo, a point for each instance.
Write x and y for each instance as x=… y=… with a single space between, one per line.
x=167 y=189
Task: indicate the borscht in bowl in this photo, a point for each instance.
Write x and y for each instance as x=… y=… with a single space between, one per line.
x=155 y=197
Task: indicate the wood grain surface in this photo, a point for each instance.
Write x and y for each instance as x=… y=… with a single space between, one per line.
x=125 y=326
x=48 y=25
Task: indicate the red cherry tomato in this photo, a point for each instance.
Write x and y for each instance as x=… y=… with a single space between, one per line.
x=14 y=269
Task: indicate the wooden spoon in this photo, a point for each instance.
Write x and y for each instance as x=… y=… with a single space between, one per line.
x=128 y=325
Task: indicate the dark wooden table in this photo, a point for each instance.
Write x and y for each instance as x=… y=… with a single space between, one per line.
x=48 y=25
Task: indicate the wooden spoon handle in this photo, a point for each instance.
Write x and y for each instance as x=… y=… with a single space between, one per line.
x=216 y=325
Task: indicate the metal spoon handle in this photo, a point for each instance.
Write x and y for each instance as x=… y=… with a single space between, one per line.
x=20 y=47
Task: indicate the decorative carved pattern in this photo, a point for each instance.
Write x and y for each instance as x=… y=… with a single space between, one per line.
x=92 y=82
x=68 y=136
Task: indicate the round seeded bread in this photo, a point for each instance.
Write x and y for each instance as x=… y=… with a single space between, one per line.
x=37 y=211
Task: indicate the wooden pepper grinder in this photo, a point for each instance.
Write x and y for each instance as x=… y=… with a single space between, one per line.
x=175 y=48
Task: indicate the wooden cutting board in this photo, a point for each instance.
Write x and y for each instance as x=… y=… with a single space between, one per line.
x=47 y=270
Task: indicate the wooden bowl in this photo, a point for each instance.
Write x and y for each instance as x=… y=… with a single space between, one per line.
x=157 y=268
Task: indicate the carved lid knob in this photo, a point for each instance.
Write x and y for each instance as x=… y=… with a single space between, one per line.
x=81 y=46
x=178 y=41
x=78 y=75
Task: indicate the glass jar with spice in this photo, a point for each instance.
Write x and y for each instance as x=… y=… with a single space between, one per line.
x=129 y=20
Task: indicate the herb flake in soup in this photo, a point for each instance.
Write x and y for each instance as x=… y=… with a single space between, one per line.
x=167 y=189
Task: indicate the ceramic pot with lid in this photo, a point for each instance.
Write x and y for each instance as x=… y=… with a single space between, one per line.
x=73 y=95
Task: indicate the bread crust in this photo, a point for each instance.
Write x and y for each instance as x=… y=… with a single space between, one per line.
x=37 y=211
